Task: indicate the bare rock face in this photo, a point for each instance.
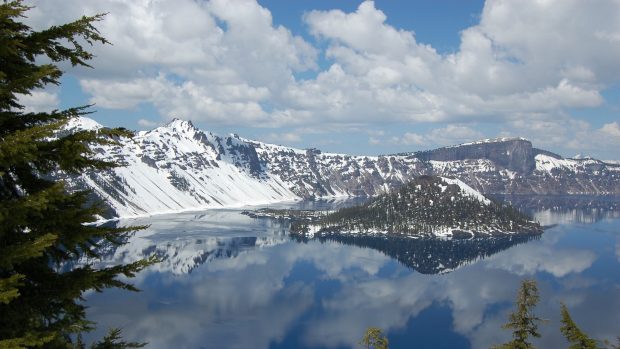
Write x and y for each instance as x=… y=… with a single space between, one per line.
x=179 y=167
x=515 y=154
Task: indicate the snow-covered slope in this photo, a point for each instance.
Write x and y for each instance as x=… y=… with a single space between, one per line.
x=178 y=167
x=467 y=190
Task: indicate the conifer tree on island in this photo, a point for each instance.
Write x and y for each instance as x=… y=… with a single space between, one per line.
x=41 y=224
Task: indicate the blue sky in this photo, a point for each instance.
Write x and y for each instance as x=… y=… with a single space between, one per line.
x=360 y=77
x=434 y=22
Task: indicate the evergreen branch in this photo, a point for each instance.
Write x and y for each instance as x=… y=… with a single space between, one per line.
x=9 y=288
x=26 y=250
x=577 y=338
x=113 y=341
x=29 y=340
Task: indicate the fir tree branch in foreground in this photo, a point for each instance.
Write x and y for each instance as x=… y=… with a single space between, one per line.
x=42 y=225
x=574 y=335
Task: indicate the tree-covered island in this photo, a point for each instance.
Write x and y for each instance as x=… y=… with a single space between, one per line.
x=428 y=206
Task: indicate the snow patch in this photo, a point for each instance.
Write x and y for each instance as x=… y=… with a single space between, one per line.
x=82 y=123
x=490 y=140
x=467 y=190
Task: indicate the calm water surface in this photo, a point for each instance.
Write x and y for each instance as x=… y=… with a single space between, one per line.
x=229 y=281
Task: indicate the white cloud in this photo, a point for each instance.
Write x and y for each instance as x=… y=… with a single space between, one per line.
x=39 y=101
x=226 y=104
x=363 y=30
x=147 y=123
x=451 y=134
x=286 y=137
x=611 y=129
x=216 y=60
x=226 y=62
x=411 y=81
x=374 y=140
x=122 y=94
x=565 y=132
x=410 y=138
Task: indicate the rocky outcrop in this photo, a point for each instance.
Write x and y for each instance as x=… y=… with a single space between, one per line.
x=515 y=154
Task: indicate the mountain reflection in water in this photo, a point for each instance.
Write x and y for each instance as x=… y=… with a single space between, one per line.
x=562 y=209
x=229 y=281
x=426 y=256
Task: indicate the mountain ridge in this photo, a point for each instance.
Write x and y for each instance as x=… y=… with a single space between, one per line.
x=178 y=167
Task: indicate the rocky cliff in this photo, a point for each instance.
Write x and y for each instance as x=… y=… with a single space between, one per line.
x=514 y=154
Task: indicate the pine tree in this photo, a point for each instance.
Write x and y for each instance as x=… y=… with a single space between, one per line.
x=41 y=224
x=522 y=321
x=574 y=335
x=374 y=339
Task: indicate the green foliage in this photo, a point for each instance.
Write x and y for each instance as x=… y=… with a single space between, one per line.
x=42 y=226
x=574 y=335
x=374 y=339
x=522 y=321
x=112 y=340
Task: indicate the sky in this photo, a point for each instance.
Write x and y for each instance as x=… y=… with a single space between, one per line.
x=357 y=77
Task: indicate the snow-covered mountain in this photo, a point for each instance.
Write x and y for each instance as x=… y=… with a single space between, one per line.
x=178 y=167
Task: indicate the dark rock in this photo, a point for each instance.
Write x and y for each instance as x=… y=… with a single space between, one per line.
x=514 y=154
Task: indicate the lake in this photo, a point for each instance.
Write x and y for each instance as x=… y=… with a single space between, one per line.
x=230 y=281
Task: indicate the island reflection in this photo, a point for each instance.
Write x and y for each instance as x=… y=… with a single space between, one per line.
x=430 y=255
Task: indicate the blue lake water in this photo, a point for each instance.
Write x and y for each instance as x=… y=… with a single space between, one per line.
x=230 y=281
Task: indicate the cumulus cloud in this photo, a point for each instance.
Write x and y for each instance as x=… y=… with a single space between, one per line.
x=286 y=137
x=493 y=73
x=410 y=138
x=374 y=141
x=226 y=62
x=565 y=132
x=39 y=101
x=451 y=134
x=147 y=123
x=217 y=60
x=611 y=129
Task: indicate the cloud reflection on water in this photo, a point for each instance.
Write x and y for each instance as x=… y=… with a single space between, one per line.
x=257 y=292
